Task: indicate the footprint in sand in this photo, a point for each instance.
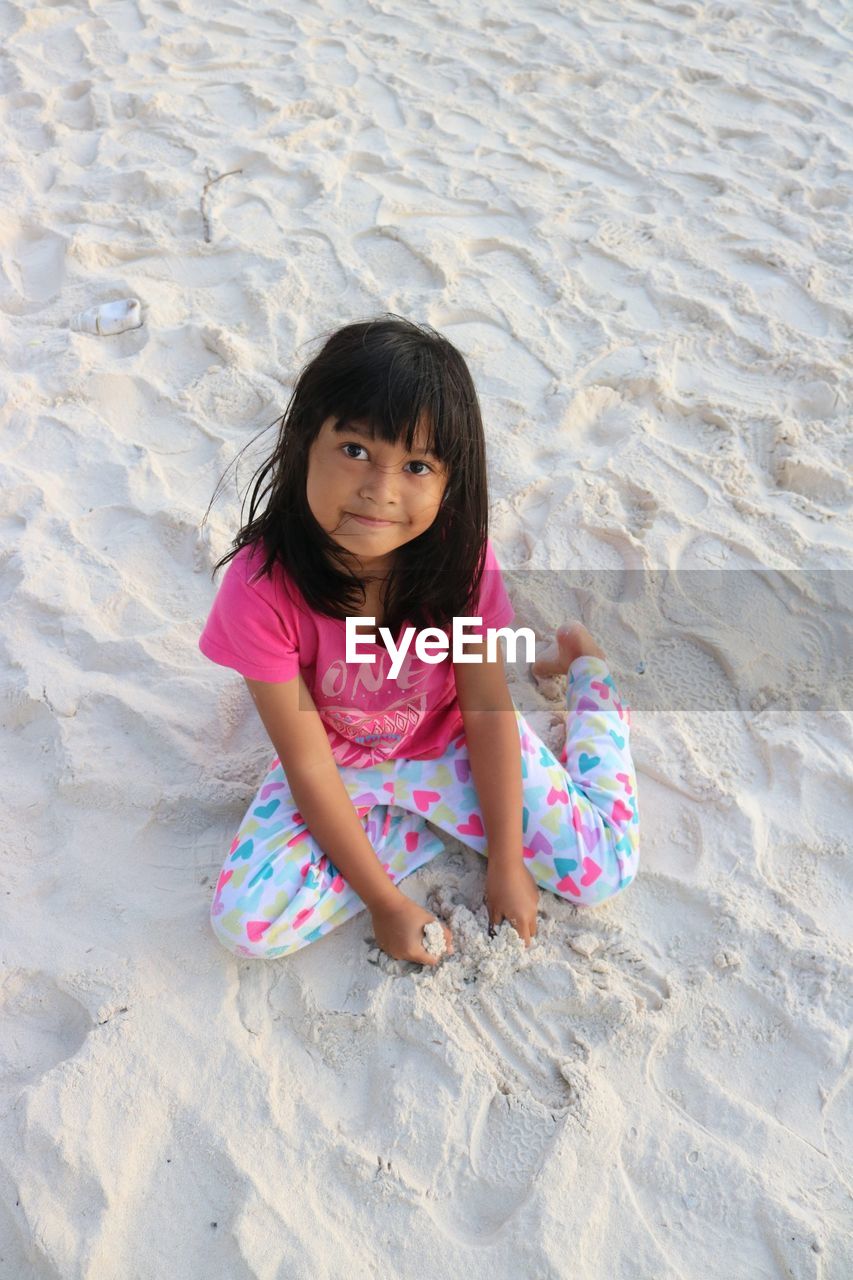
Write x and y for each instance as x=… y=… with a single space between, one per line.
x=40 y=1026
x=75 y=108
x=32 y=268
x=509 y=1142
x=719 y=1071
x=537 y=1069
x=639 y=505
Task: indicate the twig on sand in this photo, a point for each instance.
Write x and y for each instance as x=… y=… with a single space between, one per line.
x=205 y=217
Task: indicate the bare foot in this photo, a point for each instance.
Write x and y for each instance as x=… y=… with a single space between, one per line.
x=573 y=641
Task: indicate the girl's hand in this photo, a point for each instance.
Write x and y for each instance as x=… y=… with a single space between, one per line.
x=512 y=894
x=399 y=931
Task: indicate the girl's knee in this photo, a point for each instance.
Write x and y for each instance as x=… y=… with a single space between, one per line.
x=597 y=895
x=609 y=874
x=257 y=947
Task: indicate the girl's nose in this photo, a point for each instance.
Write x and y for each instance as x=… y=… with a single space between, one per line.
x=382 y=486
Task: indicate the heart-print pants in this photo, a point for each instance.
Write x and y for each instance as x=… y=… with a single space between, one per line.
x=278 y=891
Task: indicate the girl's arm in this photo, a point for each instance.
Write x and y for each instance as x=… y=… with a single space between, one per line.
x=494 y=749
x=293 y=723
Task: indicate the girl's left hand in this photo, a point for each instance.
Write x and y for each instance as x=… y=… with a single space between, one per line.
x=512 y=894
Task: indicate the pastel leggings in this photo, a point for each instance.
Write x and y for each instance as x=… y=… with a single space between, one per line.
x=278 y=891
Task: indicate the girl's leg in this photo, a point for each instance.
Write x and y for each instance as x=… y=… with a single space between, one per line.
x=277 y=891
x=580 y=823
x=602 y=785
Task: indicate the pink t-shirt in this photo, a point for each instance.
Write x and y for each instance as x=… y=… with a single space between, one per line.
x=266 y=630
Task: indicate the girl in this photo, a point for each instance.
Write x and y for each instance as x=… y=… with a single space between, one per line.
x=378 y=508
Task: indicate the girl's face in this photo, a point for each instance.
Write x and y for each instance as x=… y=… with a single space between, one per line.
x=398 y=493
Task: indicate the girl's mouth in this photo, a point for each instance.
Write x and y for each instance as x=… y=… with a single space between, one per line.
x=371 y=523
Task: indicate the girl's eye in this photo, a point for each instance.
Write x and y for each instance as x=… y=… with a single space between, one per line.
x=416 y=462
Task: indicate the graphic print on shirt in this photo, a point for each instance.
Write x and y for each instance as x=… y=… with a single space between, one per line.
x=363 y=735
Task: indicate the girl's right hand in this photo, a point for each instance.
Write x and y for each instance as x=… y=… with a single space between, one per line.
x=399 y=931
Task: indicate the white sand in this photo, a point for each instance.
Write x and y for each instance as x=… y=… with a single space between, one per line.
x=634 y=220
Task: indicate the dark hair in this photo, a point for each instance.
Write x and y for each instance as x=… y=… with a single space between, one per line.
x=385 y=372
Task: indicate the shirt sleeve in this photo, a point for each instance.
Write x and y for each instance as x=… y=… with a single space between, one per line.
x=250 y=626
x=493 y=604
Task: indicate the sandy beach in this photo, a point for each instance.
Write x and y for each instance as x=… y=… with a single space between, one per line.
x=634 y=221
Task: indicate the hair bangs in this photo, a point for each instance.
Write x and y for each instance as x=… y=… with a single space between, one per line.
x=404 y=409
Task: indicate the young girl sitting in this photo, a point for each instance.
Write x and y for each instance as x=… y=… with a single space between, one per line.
x=378 y=508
